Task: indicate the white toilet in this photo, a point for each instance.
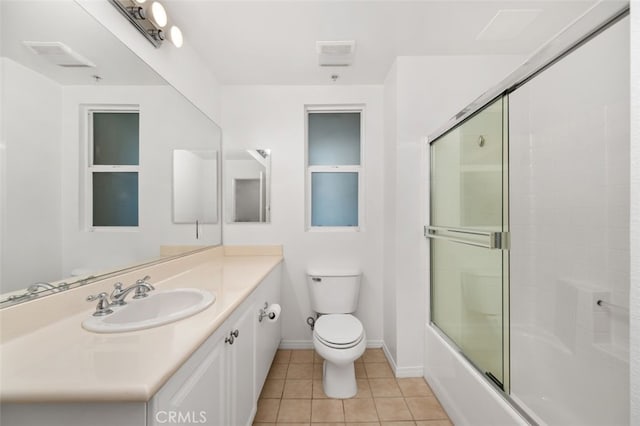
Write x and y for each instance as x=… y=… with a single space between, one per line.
x=338 y=336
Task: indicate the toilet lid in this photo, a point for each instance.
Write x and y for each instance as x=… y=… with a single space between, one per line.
x=338 y=329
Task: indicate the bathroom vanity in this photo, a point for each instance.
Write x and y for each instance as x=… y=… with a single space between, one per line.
x=205 y=369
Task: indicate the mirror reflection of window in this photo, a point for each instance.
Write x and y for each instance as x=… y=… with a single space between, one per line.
x=114 y=144
x=247 y=186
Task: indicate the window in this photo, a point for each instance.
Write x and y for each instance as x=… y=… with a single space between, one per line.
x=113 y=165
x=334 y=168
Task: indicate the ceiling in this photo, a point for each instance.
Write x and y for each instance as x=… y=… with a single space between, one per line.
x=65 y=21
x=274 y=42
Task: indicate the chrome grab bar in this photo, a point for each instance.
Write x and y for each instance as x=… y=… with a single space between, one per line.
x=496 y=240
x=605 y=304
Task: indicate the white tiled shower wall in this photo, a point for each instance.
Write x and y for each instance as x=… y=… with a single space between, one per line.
x=569 y=201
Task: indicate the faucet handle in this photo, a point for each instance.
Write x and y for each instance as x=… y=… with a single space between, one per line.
x=143 y=280
x=102 y=308
x=143 y=287
x=142 y=290
x=116 y=294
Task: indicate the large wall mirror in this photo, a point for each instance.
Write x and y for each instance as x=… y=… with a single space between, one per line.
x=247 y=181
x=86 y=162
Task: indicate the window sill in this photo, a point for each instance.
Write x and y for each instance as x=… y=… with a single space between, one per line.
x=114 y=229
x=334 y=229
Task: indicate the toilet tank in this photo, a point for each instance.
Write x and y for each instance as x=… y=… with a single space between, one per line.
x=334 y=292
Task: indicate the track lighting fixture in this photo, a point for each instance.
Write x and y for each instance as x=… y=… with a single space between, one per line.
x=150 y=18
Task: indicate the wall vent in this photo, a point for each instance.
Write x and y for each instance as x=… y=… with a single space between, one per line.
x=335 y=53
x=59 y=54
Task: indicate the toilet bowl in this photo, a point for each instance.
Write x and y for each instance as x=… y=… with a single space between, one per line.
x=338 y=336
x=339 y=339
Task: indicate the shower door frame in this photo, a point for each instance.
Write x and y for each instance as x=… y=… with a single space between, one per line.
x=500 y=243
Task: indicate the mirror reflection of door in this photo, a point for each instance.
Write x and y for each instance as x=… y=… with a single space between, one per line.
x=249 y=200
x=195 y=186
x=247 y=185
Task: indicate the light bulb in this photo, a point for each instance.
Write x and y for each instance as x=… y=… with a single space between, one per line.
x=175 y=35
x=140 y=1
x=158 y=14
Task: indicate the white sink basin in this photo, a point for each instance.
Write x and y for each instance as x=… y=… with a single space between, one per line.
x=160 y=307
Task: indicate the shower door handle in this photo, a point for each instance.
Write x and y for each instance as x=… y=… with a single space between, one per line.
x=485 y=239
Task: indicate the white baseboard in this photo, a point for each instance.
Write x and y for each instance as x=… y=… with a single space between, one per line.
x=387 y=354
x=374 y=344
x=296 y=344
x=417 y=371
x=308 y=344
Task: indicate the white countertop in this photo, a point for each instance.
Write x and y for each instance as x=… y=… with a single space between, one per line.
x=62 y=362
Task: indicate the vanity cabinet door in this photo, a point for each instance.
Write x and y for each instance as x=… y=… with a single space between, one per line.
x=197 y=393
x=242 y=369
x=268 y=333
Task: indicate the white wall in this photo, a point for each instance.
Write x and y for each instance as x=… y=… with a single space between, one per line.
x=390 y=196
x=30 y=177
x=183 y=68
x=273 y=117
x=167 y=122
x=634 y=300
x=421 y=94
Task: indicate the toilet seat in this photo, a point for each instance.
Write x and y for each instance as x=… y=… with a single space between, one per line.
x=339 y=331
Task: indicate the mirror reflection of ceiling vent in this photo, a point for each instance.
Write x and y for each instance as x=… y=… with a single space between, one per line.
x=508 y=24
x=335 y=53
x=59 y=54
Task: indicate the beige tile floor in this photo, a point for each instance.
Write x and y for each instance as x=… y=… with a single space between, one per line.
x=293 y=395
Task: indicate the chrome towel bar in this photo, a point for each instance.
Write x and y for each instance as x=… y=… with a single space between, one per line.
x=494 y=240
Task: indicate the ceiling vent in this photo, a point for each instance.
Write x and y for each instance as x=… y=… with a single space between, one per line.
x=59 y=54
x=335 y=53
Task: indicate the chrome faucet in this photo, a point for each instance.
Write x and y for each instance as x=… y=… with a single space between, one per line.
x=32 y=291
x=16 y=297
x=33 y=288
x=141 y=287
x=105 y=301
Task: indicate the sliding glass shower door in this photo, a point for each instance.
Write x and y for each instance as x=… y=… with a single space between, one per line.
x=468 y=232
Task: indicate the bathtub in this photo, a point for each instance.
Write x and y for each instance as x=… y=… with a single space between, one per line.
x=555 y=385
